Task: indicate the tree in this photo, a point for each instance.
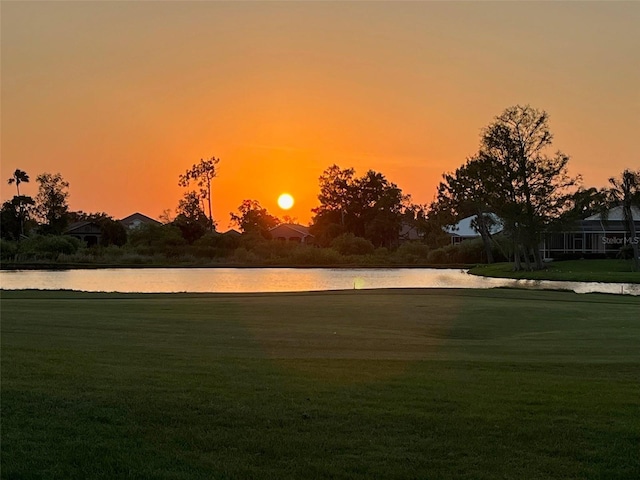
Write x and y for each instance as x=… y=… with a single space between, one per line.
x=583 y=203
x=51 y=202
x=369 y=206
x=377 y=208
x=586 y=202
x=202 y=174
x=13 y=216
x=529 y=187
x=18 y=177
x=625 y=192
x=254 y=219
x=191 y=218
x=468 y=191
x=20 y=201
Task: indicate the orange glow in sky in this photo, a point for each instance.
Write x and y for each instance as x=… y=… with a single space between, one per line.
x=123 y=97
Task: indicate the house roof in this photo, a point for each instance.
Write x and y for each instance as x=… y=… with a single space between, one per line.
x=616 y=214
x=301 y=229
x=464 y=227
x=140 y=218
x=78 y=225
x=231 y=232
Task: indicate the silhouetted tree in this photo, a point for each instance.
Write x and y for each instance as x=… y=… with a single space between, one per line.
x=369 y=206
x=625 y=192
x=18 y=177
x=166 y=217
x=378 y=207
x=469 y=191
x=586 y=202
x=191 y=218
x=254 y=219
x=335 y=197
x=51 y=202
x=202 y=174
x=13 y=216
x=20 y=201
x=532 y=188
x=583 y=203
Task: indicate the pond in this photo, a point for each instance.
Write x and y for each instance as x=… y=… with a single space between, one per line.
x=230 y=280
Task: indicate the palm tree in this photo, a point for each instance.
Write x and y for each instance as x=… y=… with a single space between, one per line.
x=625 y=191
x=18 y=177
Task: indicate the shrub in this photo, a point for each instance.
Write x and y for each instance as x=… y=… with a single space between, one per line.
x=242 y=255
x=157 y=239
x=307 y=255
x=411 y=252
x=8 y=249
x=438 y=256
x=207 y=251
x=136 y=259
x=49 y=246
x=625 y=253
x=209 y=239
x=349 y=244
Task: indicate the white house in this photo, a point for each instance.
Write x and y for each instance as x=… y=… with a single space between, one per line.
x=465 y=229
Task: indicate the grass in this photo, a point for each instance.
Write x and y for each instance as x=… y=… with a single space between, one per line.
x=609 y=271
x=399 y=384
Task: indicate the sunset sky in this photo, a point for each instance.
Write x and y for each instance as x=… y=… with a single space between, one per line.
x=123 y=97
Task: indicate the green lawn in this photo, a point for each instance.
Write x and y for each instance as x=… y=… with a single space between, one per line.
x=610 y=271
x=428 y=384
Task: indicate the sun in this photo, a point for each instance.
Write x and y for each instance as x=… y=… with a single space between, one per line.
x=285 y=201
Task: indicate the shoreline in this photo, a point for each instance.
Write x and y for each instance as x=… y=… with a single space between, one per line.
x=82 y=266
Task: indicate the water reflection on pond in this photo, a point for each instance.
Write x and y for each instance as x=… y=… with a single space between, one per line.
x=228 y=280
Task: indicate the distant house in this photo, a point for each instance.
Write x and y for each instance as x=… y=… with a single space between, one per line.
x=291 y=232
x=136 y=219
x=465 y=229
x=597 y=236
x=232 y=233
x=86 y=231
x=409 y=233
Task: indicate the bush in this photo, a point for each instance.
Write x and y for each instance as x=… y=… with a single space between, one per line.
x=209 y=239
x=307 y=255
x=438 y=256
x=206 y=251
x=411 y=252
x=49 y=246
x=242 y=255
x=349 y=244
x=157 y=239
x=8 y=249
x=625 y=253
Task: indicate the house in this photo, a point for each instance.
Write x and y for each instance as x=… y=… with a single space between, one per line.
x=595 y=236
x=291 y=232
x=409 y=233
x=136 y=219
x=232 y=233
x=86 y=231
x=465 y=229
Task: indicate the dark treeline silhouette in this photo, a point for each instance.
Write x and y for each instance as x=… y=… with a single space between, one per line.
x=514 y=179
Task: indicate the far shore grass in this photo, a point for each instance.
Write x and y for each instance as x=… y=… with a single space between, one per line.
x=398 y=384
x=607 y=271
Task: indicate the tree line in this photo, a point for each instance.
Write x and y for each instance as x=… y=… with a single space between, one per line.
x=515 y=177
